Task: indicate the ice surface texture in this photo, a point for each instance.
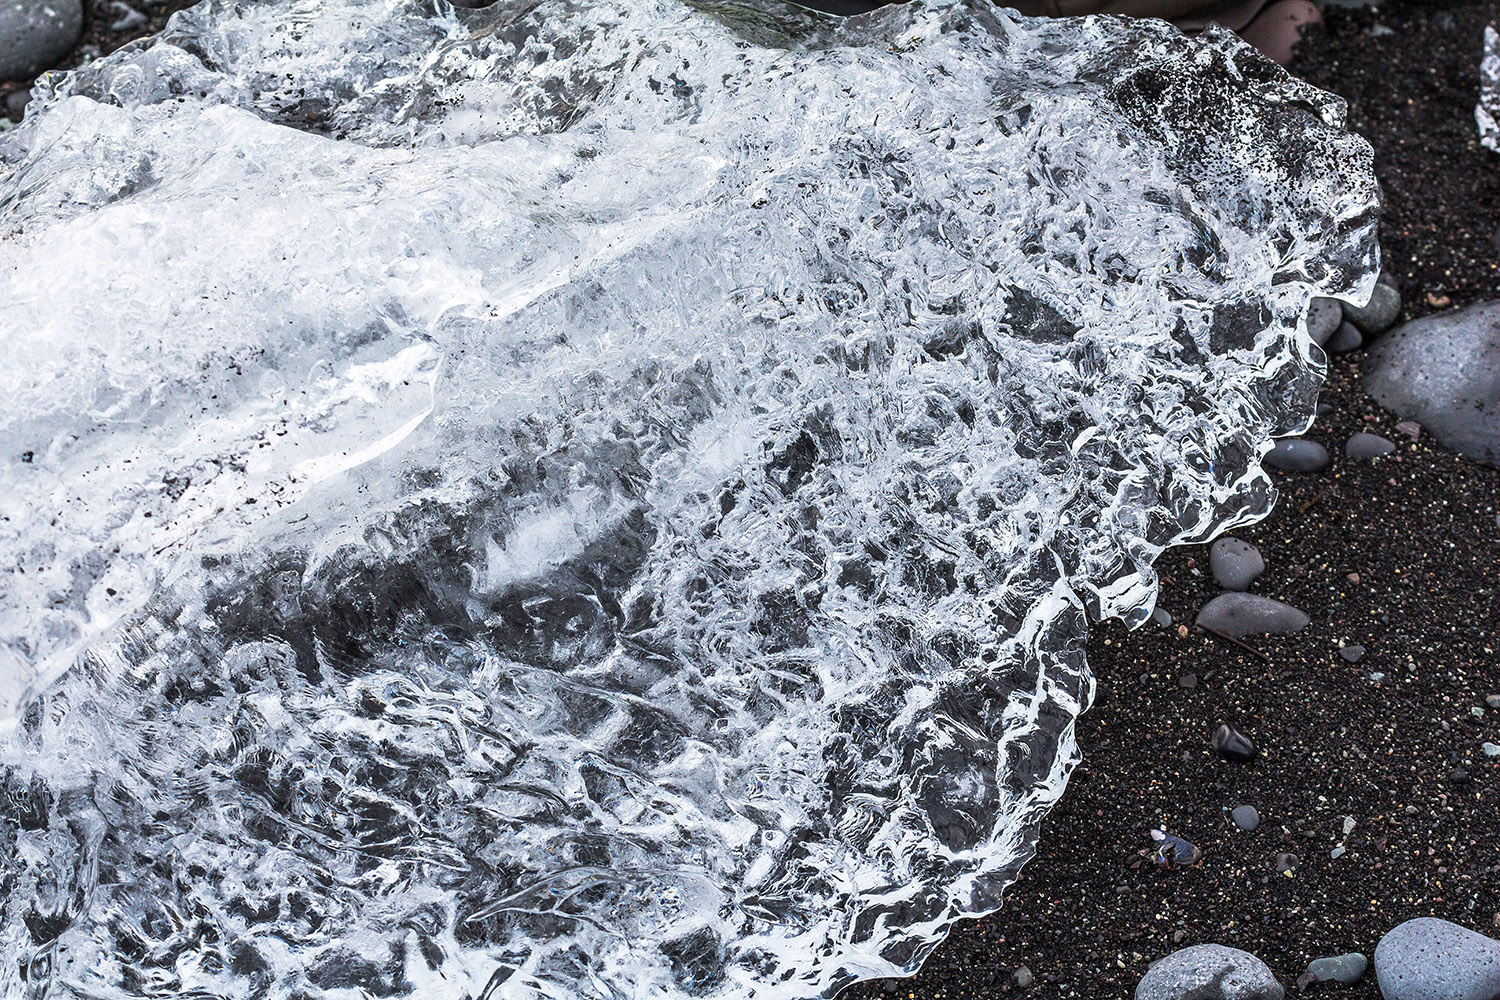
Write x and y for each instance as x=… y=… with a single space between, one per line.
x=604 y=499
x=1487 y=113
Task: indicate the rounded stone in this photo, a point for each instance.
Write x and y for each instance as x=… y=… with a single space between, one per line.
x=1352 y=654
x=1379 y=314
x=1323 y=317
x=1345 y=339
x=1432 y=959
x=1363 y=445
x=1236 y=614
x=1247 y=818
x=1297 y=455
x=1209 y=972
x=1348 y=968
x=1235 y=563
x=36 y=34
x=1161 y=616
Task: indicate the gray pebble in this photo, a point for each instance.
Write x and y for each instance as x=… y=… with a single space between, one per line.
x=36 y=34
x=1381 y=312
x=1297 y=455
x=1490 y=749
x=1024 y=978
x=1352 y=654
x=1337 y=852
x=1245 y=817
x=1492 y=700
x=1234 y=563
x=1443 y=371
x=1345 y=339
x=1161 y=616
x=1432 y=959
x=1348 y=968
x=15 y=104
x=1250 y=614
x=1189 y=681
x=1209 y=972
x=1285 y=862
x=1323 y=317
x=1363 y=445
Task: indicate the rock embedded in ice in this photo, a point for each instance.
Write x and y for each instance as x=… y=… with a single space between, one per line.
x=599 y=499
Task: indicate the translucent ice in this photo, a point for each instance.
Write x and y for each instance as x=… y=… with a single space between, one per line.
x=604 y=499
x=1488 y=110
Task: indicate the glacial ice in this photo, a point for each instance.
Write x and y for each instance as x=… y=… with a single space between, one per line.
x=1487 y=112
x=604 y=499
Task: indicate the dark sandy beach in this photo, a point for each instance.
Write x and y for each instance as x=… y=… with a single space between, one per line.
x=1400 y=756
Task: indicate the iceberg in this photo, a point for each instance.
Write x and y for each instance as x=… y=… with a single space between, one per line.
x=605 y=499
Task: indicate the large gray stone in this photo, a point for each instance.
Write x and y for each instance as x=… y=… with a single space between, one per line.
x=1444 y=372
x=1250 y=614
x=1209 y=972
x=1235 y=563
x=1432 y=959
x=36 y=34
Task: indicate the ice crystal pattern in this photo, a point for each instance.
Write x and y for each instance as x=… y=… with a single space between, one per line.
x=1487 y=112
x=604 y=499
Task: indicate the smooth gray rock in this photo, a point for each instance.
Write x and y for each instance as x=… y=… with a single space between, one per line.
x=1363 y=445
x=1209 y=972
x=1323 y=317
x=36 y=34
x=1247 y=818
x=1345 y=339
x=1161 y=616
x=1250 y=614
x=1348 y=968
x=1432 y=959
x=1297 y=455
x=1235 y=563
x=1381 y=313
x=1352 y=654
x=1443 y=371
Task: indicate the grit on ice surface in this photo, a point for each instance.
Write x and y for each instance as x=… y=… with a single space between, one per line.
x=605 y=497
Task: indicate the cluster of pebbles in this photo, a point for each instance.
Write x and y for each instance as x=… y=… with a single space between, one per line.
x=1444 y=369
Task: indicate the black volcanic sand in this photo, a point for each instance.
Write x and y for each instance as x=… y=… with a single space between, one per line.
x=1419 y=529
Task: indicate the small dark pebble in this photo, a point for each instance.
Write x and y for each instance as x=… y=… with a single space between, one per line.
x=1352 y=654
x=1231 y=744
x=1297 y=455
x=1345 y=339
x=1247 y=818
x=1363 y=445
x=1188 y=681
